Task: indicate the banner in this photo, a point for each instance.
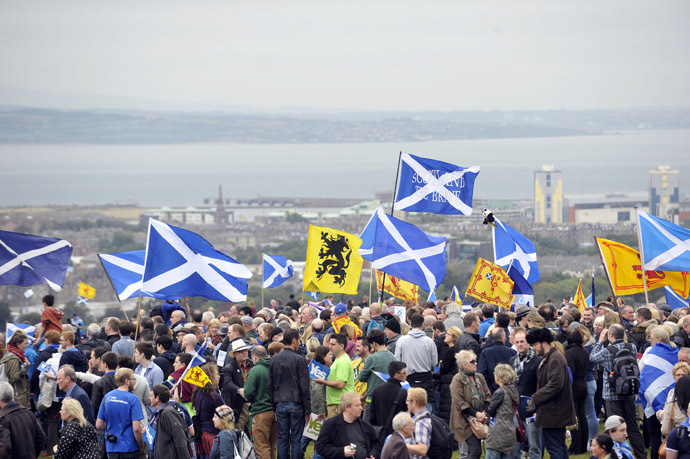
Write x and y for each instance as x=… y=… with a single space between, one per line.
x=318 y=370
x=333 y=264
x=398 y=287
x=579 y=299
x=313 y=427
x=491 y=284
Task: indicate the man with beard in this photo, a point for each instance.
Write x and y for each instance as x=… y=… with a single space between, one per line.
x=118 y=416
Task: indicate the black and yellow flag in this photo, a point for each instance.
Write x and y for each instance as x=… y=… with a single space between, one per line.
x=333 y=262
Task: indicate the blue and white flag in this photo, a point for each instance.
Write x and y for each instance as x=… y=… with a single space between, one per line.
x=198 y=356
x=404 y=251
x=313 y=295
x=455 y=296
x=318 y=370
x=27 y=329
x=512 y=247
x=522 y=291
x=181 y=263
x=588 y=300
x=385 y=376
x=663 y=245
x=125 y=270
x=29 y=260
x=277 y=270
x=432 y=297
x=428 y=185
x=674 y=300
x=656 y=377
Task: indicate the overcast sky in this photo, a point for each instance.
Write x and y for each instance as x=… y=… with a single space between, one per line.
x=387 y=55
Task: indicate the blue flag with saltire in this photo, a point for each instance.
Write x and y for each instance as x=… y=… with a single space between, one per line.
x=198 y=356
x=313 y=295
x=181 y=263
x=656 y=377
x=29 y=260
x=522 y=291
x=26 y=328
x=277 y=270
x=455 y=296
x=674 y=300
x=125 y=270
x=588 y=300
x=428 y=185
x=432 y=297
x=512 y=247
x=402 y=250
x=663 y=245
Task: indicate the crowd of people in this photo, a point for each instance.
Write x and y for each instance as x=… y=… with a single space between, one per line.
x=358 y=380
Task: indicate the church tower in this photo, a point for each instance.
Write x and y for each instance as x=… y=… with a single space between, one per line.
x=221 y=217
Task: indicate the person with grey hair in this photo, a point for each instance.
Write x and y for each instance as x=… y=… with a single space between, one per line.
x=21 y=437
x=395 y=447
x=67 y=382
x=93 y=339
x=453 y=313
x=309 y=313
x=265 y=427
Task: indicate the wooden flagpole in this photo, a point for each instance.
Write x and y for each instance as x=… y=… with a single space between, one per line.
x=395 y=188
x=639 y=245
x=136 y=331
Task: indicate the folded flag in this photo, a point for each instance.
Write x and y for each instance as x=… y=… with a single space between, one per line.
x=29 y=260
x=398 y=287
x=428 y=185
x=656 y=377
x=26 y=328
x=277 y=270
x=674 y=300
x=198 y=356
x=333 y=264
x=512 y=247
x=181 y=263
x=403 y=250
x=455 y=296
x=491 y=284
x=522 y=291
x=664 y=246
x=579 y=299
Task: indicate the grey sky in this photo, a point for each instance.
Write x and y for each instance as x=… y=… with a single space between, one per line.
x=391 y=55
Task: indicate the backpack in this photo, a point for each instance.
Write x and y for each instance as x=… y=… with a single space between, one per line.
x=442 y=439
x=624 y=378
x=244 y=446
x=376 y=323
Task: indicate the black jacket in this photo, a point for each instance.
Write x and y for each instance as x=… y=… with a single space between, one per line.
x=165 y=362
x=490 y=357
x=92 y=344
x=332 y=438
x=469 y=342
x=448 y=369
x=76 y=358
x=100 y=388
x=681 y=339
x=112 y=339
x=43 y=356
x=527 y=383
x=289 y=379
x=20 y=435
x=232 y=382
x=578 y=361
x=383 y=405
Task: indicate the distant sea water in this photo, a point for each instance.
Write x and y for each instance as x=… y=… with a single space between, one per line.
x=186 y=174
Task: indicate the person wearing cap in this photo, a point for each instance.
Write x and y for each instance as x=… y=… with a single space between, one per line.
x=664 y=311
x=392 y=332
x=616 y=428
x=264 y=426
x=224 y=443
x=521 y=316
x=235 y=372
x=248 y=325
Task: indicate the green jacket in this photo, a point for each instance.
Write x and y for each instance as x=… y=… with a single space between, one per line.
x=256 y=388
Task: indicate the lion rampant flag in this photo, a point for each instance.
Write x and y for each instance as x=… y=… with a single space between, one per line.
x=398 y=287
x=333 y=262
x=86 y=291
x=624 y=269
x=491 y=284
x=197 y=377
x=579 y=298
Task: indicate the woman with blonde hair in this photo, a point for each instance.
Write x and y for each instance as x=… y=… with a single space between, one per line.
x=213 y=329
x=78 y=438
x=535 y=320
x=500 y=442
x=225 y=442
x=673 y=414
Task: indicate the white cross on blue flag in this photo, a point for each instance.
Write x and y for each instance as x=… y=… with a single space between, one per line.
x=277 y=270
x=125 y=270
x=428 y=185
x=512 y=247
x=674 y=300
x=402 y=250
x=664 y=246
x=522 y=291
x=656 y=377
x=29 y=260
x=181 y=263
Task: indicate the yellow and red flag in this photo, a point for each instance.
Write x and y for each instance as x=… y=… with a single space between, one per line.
x=86 y=291
x=398 y=287
x=197 y=377
x=491 y=284
x=579 y=298
x=339 y=321
x=333 y=262
x=624 y=269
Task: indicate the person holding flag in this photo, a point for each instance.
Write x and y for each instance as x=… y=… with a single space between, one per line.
x=206 y=400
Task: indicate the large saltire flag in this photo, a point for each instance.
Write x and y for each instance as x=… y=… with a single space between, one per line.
x=29 y=330
x=665 y=246
x=27 y=260
x=125 y=270
x=428 y=185
x=277 y=270
x=197 y=376
x=333 y=262
x=398 y=287
x=579 y=299
x=403 y=250
x=181 y=263
x=656 y=377
x=511 y=247
x=432 y=297
x=522 y=291
x=674 y=300
x=624 y=269
x=491 y=284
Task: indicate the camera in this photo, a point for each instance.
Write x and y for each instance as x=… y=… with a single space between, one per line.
x=111 y=438
x=353 y=447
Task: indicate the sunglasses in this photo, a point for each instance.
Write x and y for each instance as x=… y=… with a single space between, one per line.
x=473 y=361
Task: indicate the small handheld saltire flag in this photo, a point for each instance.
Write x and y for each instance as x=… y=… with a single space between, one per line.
x=29 y=260
x=277 y=270
x=674 y=300
x=314 y=295
x=197 y=376
x=181 y=263
x=398 y=287
x=665 y=246
x=198 y=356
x=11 y=328
x=125 y=270
x=512 y=247
x=579 y=298
x=491 y=284
x=402 y=250
x=428 y=185
x=86 y=291
x=455 y=296
x=333 y=263
x=522 y=291
x=656 y=377
x=432 y=297
x=624 y=269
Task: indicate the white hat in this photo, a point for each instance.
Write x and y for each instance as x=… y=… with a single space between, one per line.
x=240 y=345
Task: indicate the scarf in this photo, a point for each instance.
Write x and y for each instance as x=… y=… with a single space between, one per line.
x=15 y=350
x=522 y=360
x=476 y=394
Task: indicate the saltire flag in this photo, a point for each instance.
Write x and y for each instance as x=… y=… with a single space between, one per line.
x=432 y=297
x=28 y=260
x=674 y=300
x=181 y=263
x=125 y=270
x=198 y=356
x=428 y=185
x=403 y=250
x=592 y=296
x=589 y=300
x=664 y=246
x=624 y=269
x=491 y=284
x=579 y=298
x=26 y=328
x=313 y=295
x=385 y=376
x=197 y=376
x=277 y=270
x=455 y=296
x=397 y=287
x=656 y=377
x=333 y=264
x=512 y=247
x=522 y=291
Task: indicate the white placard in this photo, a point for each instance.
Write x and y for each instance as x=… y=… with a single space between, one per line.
x=313 y=428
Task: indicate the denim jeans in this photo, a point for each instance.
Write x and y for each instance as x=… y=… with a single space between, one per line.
x=290 y=427
x=592 y=418
x=494 y=454
x=554 y=442
x=533 y=434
